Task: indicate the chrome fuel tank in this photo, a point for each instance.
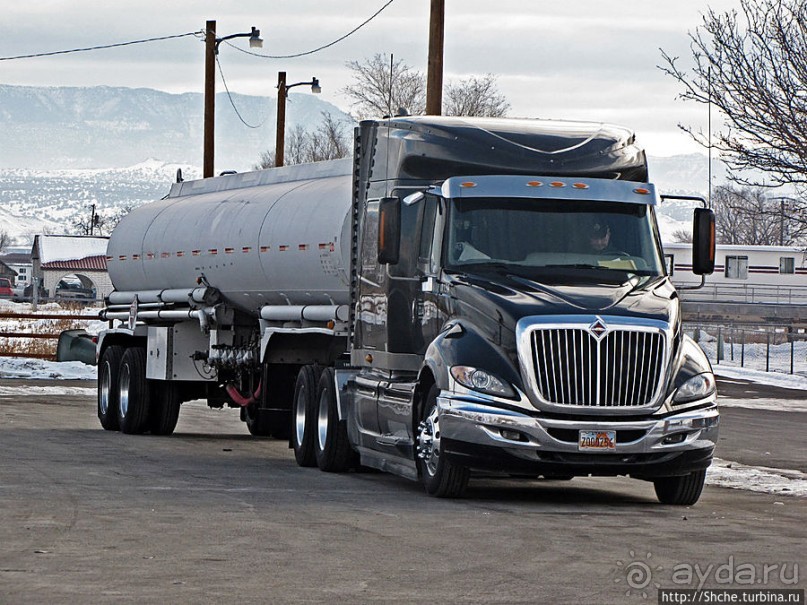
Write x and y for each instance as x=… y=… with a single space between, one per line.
x=279 y=236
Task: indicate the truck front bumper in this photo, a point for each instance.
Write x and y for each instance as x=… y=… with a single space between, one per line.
x=480 y=436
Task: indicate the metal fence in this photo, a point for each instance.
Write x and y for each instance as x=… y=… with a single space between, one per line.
x=766 y=349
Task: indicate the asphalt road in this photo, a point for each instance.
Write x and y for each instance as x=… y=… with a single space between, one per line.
x=212 y=515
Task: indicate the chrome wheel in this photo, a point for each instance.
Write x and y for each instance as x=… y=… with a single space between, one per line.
x=299 y=415
x=322 y=420
x=106 y=387
x=123 y=398
x=429 y=441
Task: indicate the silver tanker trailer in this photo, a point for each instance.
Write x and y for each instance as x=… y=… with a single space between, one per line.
x=462 y=295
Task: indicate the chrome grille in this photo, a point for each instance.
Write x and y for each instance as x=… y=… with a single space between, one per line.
x=621 y=369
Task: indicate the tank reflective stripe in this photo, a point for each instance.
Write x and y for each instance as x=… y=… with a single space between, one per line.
x=122 y=257
x=246 y=249
x=135 y=257
x=302 y=247
x=180 y=253
x=229 y=250
x=149 y=256
x=213 y=251
x=283 y=248
x=264 y=248
x=165 y=255
x=196 y=252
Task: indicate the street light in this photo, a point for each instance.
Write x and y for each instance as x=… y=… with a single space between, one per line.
x=211 y=50
x=282 y=93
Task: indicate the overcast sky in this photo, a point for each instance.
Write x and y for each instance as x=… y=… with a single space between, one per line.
x=584 y=59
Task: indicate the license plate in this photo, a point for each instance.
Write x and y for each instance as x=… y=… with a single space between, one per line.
x=597 y=440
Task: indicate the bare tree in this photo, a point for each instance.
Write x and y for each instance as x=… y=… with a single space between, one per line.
x=748 y=216
x=752 y=67
x=5 y=240
x=329 y=141
x=379 y=88
x=682 y=235
x=475 y=96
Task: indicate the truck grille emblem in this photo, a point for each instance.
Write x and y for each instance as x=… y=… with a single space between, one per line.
x=598 y=328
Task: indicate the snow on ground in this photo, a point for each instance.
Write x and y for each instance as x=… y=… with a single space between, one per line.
x=778 y=481
x=776 y=379
x=40 y=369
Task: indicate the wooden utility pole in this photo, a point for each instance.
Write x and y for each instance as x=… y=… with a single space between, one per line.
x=280 y=131
x=434 y=77
x=210 y=97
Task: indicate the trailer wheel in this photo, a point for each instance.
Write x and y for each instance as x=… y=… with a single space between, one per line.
x=441 y=477
x=304 y=416
x=133 y=392
x=681 y=491
x=164 y=407
x=108 y=374
x=334 y=454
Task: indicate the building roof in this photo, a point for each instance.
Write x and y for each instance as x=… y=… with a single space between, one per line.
x=16 y=258
x=88 y=263
x=52 y=248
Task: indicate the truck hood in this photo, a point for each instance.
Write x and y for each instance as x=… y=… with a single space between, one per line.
x=507 y=298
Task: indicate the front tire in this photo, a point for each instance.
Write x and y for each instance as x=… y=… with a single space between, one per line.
x=333 y=451
x=680 y=491
x=108 y=375
x=304 y=416
x=133 y=392
x=441 y=477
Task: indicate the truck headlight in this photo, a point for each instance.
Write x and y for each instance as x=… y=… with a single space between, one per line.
x=482 y=381
x=697 y=387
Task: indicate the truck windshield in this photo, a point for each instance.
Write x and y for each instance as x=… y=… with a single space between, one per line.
x=535 y=236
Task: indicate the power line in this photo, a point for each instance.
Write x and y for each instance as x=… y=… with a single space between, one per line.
x=311 y=52
x=80 y=50
x=232 y=102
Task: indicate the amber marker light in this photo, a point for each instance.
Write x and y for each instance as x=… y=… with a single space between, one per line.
x=557 y=184
x=580 y=186
x=641 y=191
x=468 y=184
x=534 y=184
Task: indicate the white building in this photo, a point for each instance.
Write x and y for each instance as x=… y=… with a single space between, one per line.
x=58 y=256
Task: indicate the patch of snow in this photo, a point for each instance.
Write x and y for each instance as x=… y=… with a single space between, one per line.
x=776 y=379
x=783 y=482
x=773 y=405
x=40 y=369
x=55 y=391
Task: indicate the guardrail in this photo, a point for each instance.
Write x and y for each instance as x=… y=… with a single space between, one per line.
x=747 y=294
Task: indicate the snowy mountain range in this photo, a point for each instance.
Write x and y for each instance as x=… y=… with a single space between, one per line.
x=55 y=141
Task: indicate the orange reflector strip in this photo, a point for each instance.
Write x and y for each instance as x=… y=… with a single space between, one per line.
x=641 y=191
x=331 y=324
x=213 y=251
x=557 y=184
x=580 y=186
x=468 y=184
x=534 y=184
